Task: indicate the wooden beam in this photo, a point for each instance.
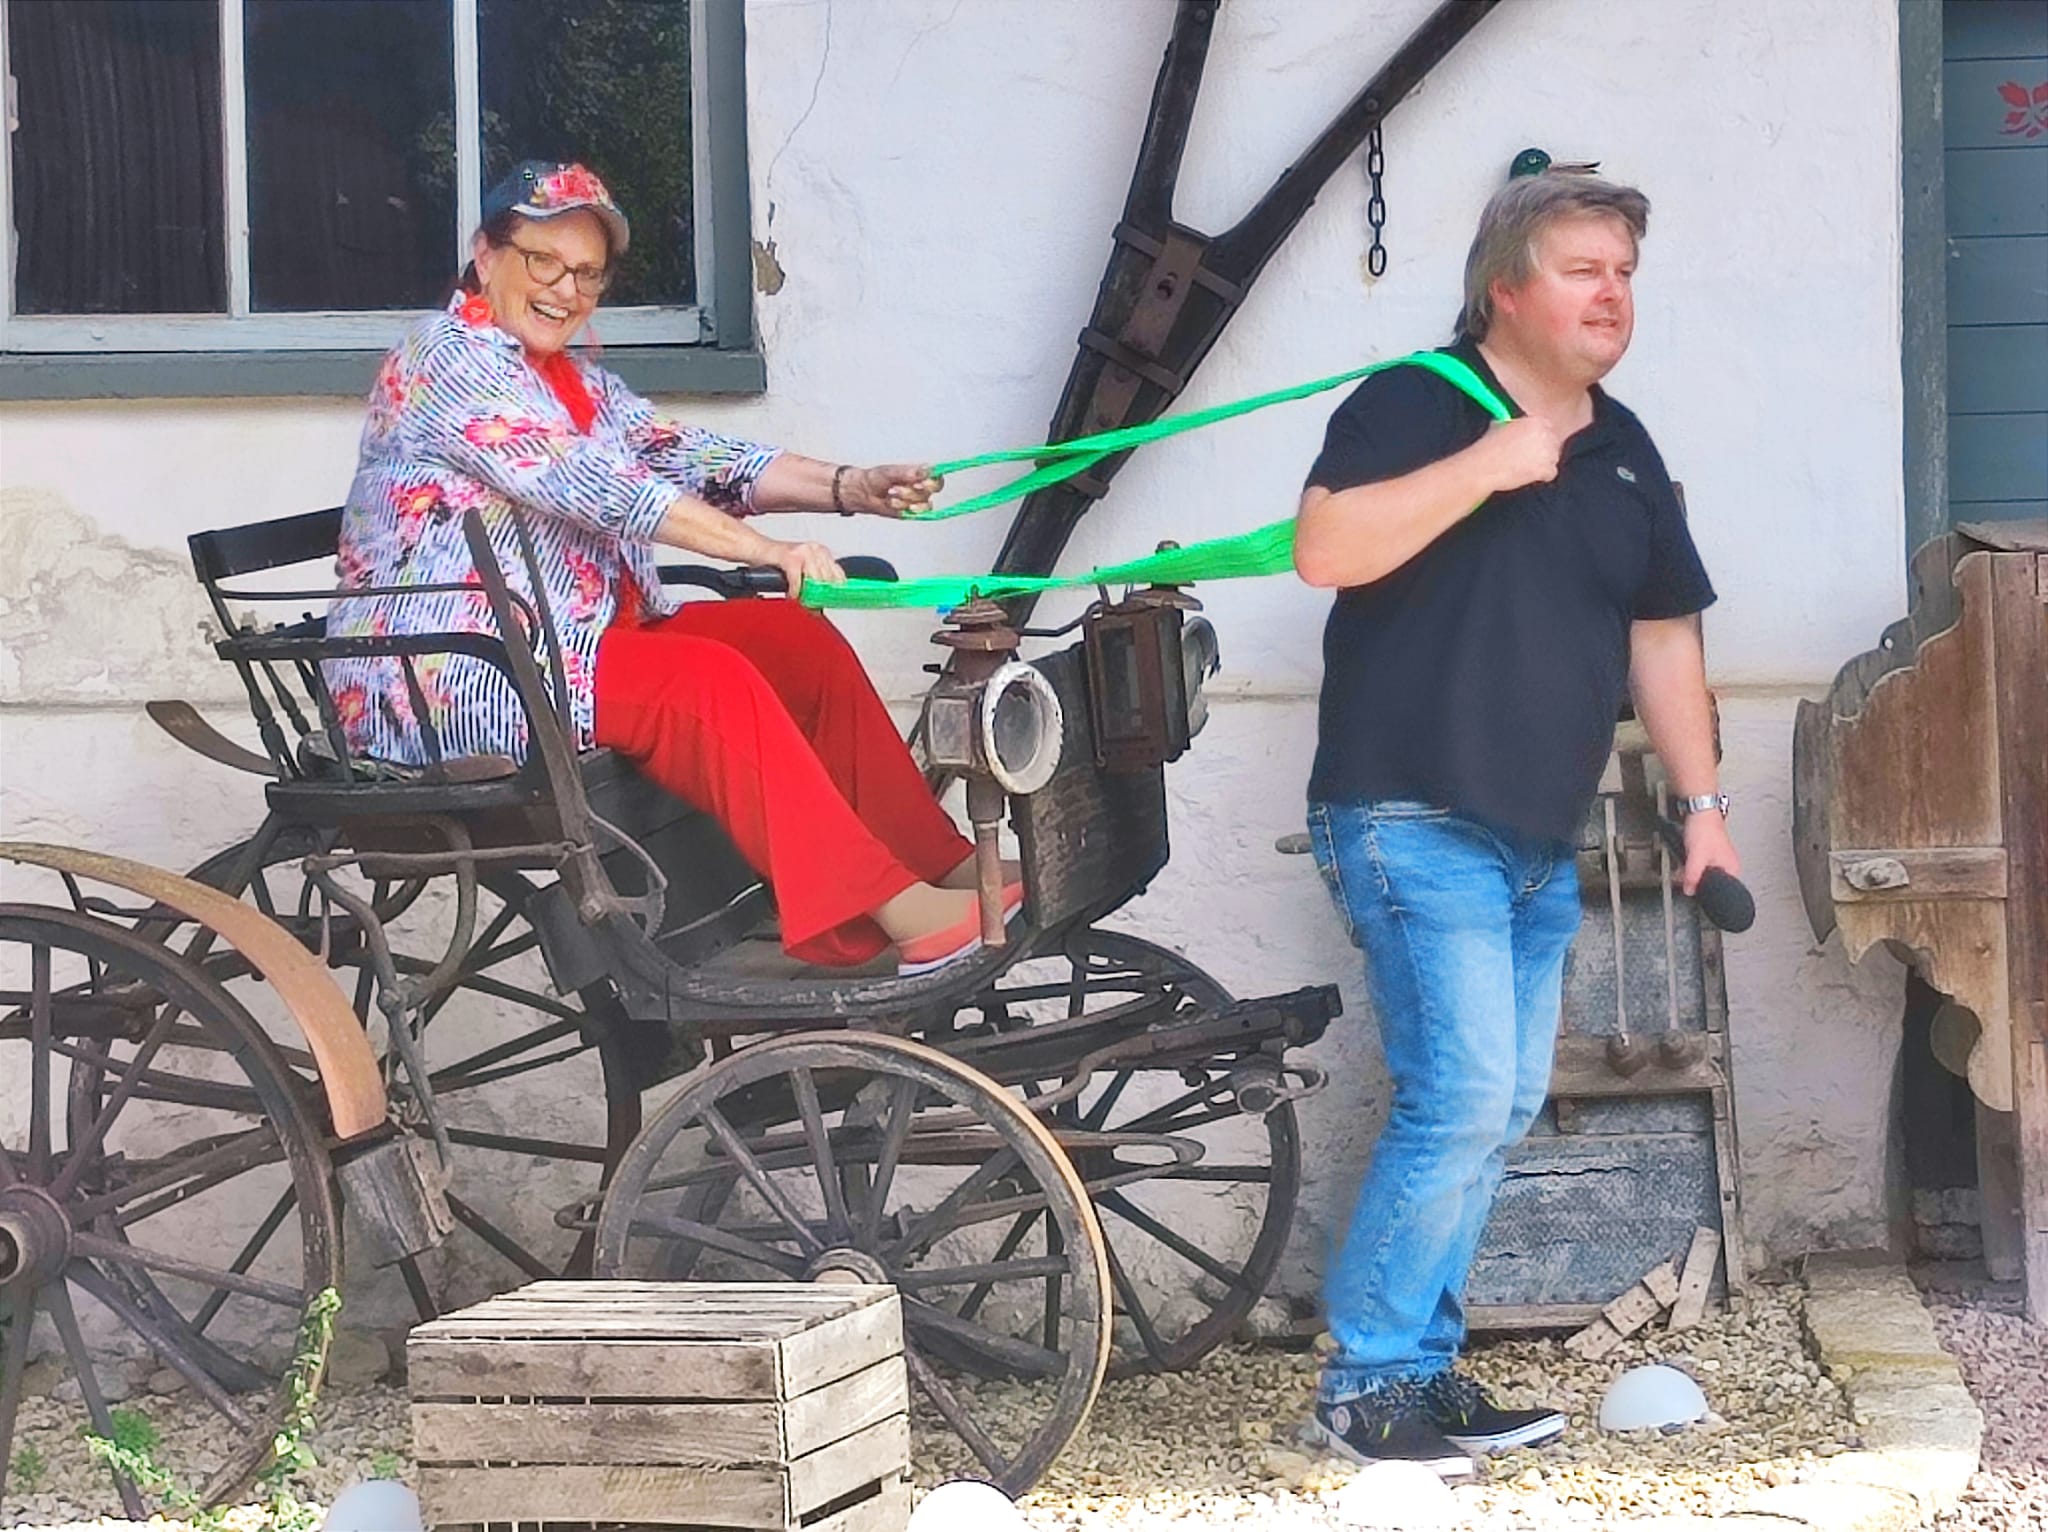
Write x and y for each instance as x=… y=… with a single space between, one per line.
x=1998 y=1194
x=1581 y=1068
x=1922 y=872
x=2019 y=588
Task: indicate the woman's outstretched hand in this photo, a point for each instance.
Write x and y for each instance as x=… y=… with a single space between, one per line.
x=806 y=561
x=893 y=489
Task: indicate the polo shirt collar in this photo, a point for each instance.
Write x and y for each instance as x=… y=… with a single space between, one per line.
x=1595 y=434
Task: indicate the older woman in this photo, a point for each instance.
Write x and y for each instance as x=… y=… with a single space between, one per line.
x=757 y=712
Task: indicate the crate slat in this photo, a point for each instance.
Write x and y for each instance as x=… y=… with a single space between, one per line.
x=702 y=1434
x=664 y=1496
x=826 y=1475
x=824 y=1415
x=887 y=1510
x=471 y=1367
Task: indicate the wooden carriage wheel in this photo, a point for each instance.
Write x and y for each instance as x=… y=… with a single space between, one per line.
x=904 y=1167
x=534 y=1085
x=167 y=1164
x=1192 y=1247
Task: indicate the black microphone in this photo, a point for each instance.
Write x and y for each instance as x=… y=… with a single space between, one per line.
x=1723 y=898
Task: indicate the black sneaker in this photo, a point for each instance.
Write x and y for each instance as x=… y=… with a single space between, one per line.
x=1459 y=1408
x=1391 y=1424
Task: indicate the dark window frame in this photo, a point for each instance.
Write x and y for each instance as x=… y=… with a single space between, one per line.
x=725 y=361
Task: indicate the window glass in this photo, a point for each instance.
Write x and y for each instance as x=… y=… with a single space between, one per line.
x=351 y=107
x=607 y=83
x=117 y=166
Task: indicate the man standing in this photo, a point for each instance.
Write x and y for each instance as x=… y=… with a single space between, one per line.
x=1501 y=587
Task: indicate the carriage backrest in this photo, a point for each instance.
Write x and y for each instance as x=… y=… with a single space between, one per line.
x=260 y=545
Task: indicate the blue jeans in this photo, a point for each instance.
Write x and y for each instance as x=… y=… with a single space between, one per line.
x=1464 y=929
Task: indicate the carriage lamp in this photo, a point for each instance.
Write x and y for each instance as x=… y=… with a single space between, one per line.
x=1148 y=658
x=998 y=723
x=1007 y=726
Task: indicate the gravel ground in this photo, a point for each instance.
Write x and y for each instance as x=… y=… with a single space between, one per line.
x=2005 y=1362
x=1217 y=1447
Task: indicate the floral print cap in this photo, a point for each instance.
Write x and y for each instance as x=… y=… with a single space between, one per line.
x=546 y=189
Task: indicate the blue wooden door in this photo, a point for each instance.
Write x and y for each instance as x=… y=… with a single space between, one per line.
x=1995 y=152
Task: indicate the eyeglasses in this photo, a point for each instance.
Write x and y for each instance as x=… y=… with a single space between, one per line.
x=547 y=270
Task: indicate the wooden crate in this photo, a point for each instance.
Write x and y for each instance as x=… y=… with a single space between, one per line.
x=678 y=1404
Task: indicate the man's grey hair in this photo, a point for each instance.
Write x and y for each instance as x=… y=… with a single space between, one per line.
x=1504 y=249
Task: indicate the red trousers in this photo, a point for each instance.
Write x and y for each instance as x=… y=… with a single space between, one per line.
x=759 y=713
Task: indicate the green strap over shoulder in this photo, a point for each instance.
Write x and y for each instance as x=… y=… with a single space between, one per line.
x=1268 y=550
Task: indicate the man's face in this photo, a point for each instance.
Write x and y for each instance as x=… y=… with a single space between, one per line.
x=1577 y=311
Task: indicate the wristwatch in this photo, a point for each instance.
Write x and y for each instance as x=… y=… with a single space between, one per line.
x=1687 y=807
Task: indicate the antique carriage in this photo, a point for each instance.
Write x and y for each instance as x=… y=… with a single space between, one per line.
x=1071 y=1151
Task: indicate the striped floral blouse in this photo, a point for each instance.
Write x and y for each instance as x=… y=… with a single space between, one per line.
x=460 y=419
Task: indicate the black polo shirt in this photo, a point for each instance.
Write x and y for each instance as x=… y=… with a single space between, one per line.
x=1487 y=672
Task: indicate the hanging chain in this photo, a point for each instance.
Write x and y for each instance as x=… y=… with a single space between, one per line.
x=1376 y=202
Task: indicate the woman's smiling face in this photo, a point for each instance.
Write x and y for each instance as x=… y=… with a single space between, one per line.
x=543 y=316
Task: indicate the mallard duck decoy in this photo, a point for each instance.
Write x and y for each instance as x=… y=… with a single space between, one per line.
x=1534 y=162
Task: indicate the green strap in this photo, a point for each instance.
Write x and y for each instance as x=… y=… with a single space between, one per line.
x=1269 y=550
x=1084 y=452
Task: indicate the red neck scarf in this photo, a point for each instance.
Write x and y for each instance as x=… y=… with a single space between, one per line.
x=566 y=379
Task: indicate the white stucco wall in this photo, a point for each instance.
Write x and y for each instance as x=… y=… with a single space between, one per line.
x=938 y=179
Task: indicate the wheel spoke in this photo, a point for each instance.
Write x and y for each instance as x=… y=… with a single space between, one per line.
x=837 y=1224
x=131 y=1077
x=171 y=1089
x=1199 y=1096
x=13 y=1372
x=239 y=1154
x=96 y=1286
x=674 y=1226
x=1117 y=1203
x=499 y=1240
x=58 y=1300
x=39 y=1066
x=552 y=1148
x=513 y=1071
x=985 y=1275
x=246 y=1257
x=1233 y=1175
x=1127 y=1297
x=936 y=1223
x=1055 y=1313
x=902 y=1106
x=1022 y=1355
x=497 y=989
x=122 y=1253
x=416 y=1288
x=971 y=1305
x=448 y=1075
x=955 y=1414
x=777 y=1199
x=1098 y=1114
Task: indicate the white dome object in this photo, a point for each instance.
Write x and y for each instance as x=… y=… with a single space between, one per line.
x=1652 y=1398
x=966 y=1505
x=379 y=1505
x=1407 y=1496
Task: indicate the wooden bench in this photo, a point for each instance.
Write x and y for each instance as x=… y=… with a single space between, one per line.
x=694 y=1405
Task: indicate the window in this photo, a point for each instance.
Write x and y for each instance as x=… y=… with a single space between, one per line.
x=191 y=177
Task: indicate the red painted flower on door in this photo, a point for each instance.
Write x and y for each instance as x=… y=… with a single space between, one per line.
x=2026 y=110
